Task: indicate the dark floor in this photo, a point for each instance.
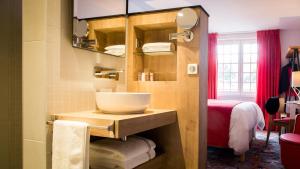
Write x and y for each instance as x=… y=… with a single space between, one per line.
x=258 y=157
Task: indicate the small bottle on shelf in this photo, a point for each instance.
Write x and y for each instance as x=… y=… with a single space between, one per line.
x=143 y=76
x=151 y=76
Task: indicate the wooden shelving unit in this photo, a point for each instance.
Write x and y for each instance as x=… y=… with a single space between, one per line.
x=107 y=32
x=162 y=64
x=176 y=90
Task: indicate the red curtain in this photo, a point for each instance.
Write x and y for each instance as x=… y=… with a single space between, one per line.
x=268 y=67
x=212 y=66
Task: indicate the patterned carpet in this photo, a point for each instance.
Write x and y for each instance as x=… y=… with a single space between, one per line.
x=258 y=157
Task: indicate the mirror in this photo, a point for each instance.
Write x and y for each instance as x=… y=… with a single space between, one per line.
x=99 y=26
x=187 y=18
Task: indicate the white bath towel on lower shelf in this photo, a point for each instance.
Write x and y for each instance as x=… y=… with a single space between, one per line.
x=101 y=162
x=122 y=150
x=70 y=149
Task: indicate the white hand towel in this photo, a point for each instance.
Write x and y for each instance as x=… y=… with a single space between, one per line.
x=101 y=162
x=123 y=150
x=70 y=149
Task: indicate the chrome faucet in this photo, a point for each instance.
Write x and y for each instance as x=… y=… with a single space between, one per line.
x=109 y=73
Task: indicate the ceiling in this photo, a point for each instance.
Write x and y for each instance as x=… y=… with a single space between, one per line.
x=227 y=16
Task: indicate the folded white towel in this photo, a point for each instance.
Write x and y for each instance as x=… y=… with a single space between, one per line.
x=123 y=150
x=158 y=47
x=101 y=162
x=115 y=47
x=115 y=52
x=70 y=149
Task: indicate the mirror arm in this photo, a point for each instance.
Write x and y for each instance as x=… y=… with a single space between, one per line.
x=186 y=34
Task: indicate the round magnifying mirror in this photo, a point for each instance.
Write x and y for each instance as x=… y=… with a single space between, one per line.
x=187 y=18
x=80 y=28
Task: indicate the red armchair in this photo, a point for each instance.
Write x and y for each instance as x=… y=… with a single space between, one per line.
x=290 y=147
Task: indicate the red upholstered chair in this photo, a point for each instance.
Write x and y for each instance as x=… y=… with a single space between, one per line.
x=290 y=147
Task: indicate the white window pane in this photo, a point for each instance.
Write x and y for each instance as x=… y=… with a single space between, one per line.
x=226 y=86
x=227 y=49
x=235 y=49
x=246 y=67
x=234 y=77
x=254 y=58
x=220 y=58
x=220 y=68
x=246 y=48
x=227 y=58
x=226 y=67
x=220 y=77
x=253 y=87
x=254 y=48
x=227 y=77
x=234 y=86
x=246 y=77
x=220 y=49
x=234 y=58
x=246 y=87
x=247 y=58
x=220 y=86
x=234 y=67
x=253 y=67
x=253 y=77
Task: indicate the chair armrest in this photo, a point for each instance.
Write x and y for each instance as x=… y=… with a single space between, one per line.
x=297 y=125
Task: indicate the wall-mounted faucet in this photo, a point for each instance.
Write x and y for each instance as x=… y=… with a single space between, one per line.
x=109 y=73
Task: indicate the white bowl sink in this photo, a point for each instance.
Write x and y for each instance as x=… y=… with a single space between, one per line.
x=122 y=102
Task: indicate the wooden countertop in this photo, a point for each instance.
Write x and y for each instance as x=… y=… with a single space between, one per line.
x=121 y=125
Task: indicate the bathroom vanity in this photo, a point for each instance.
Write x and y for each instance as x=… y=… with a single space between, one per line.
x=120 y=126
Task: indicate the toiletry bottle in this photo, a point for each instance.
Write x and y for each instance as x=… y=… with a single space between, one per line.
x=143 y=76
x=151 y=76
x=140 y=76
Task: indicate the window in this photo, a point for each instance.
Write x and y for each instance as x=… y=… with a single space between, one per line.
x=237 y=65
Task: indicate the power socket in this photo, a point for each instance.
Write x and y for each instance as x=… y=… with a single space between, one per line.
x=192 y=69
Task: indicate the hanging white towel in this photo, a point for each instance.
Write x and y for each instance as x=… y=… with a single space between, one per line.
x=70 y=149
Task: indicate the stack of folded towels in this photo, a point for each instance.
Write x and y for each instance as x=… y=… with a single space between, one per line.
x=117 y=50
x=116 y=154
x=158 y=47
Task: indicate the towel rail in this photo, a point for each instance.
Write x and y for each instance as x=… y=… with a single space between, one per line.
x=108 y=128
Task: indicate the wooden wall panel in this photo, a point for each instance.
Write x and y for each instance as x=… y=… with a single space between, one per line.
x=11 y=84
x=187 y=94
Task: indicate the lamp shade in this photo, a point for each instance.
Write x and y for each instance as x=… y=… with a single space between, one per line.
x=296 y=79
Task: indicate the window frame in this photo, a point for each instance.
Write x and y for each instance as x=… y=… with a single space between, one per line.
x=241 y=40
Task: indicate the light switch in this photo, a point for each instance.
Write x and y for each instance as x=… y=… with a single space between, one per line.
x=192 y=69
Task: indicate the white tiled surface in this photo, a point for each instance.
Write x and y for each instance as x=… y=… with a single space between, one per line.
x=34 y=154
x=56 y=77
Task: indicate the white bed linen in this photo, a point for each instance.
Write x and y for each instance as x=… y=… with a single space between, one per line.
x=245 y=118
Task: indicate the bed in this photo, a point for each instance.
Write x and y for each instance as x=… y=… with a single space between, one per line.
x=232 y=124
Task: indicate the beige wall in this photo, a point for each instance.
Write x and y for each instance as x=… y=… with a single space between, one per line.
x=56 y=77
x=34 y=84
x=288 y=38
x=70 y=70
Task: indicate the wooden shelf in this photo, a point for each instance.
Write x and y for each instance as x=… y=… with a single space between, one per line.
x=155 y=163
x=122 y=125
